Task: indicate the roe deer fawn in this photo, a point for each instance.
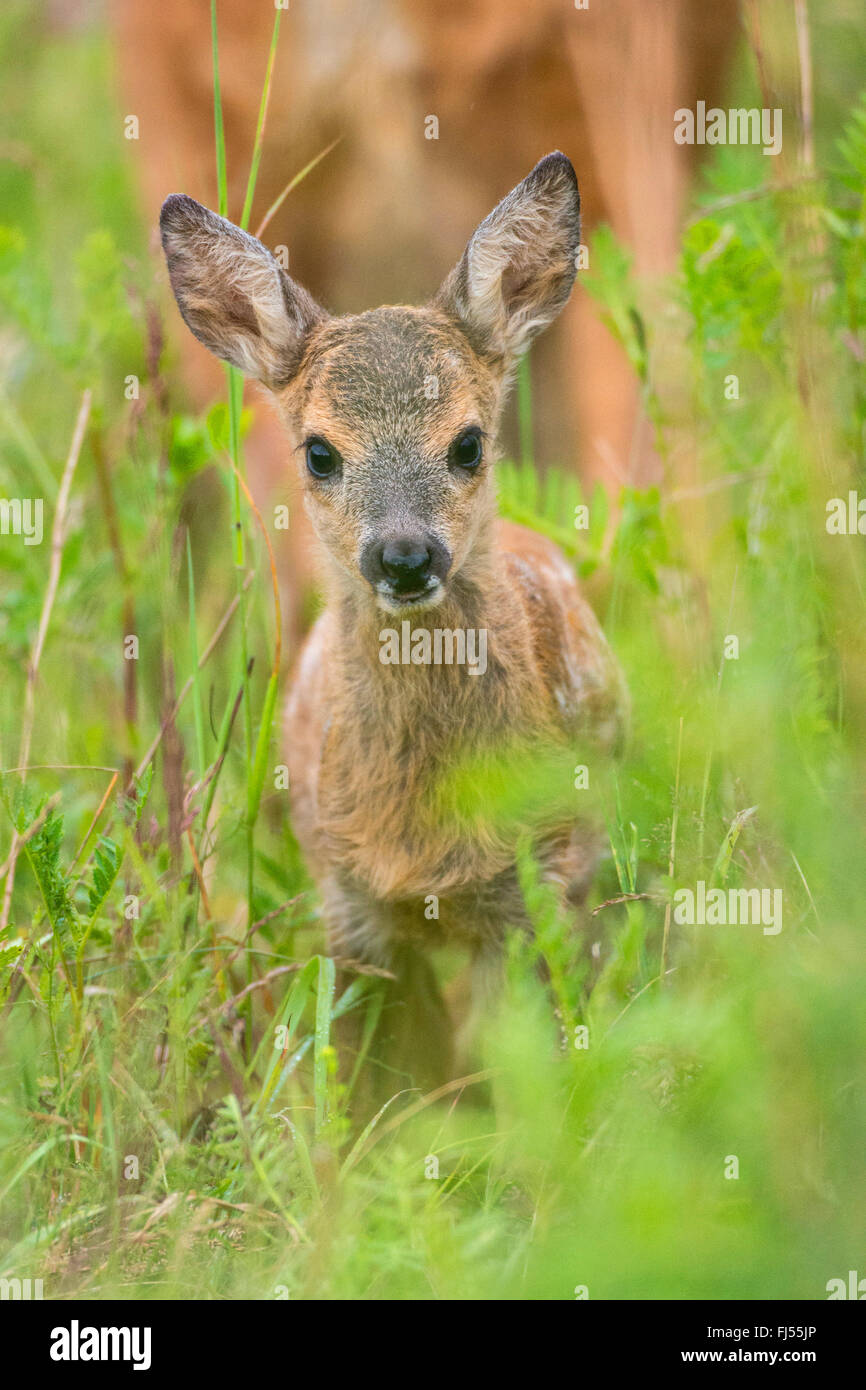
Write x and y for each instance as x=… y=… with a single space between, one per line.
x=393 y=414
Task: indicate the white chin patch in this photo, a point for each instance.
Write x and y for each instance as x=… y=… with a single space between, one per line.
x=394 y=603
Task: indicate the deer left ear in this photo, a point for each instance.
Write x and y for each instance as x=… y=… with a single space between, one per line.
x=518 y=270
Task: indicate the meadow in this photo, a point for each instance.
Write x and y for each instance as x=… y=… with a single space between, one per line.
x=689 y=1121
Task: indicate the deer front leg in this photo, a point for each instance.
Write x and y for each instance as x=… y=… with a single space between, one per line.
x=411 y=1044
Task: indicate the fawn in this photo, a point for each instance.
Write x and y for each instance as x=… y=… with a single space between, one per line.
x=393 y=416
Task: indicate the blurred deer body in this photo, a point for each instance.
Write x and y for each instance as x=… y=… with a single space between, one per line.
x=393 y=415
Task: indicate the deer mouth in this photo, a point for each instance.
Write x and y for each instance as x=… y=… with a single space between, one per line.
x=395 y=600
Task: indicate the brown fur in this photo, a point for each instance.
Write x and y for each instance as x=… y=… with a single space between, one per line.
x=372 y=748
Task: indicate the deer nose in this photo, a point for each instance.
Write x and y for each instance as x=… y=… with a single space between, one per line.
x=406 y=563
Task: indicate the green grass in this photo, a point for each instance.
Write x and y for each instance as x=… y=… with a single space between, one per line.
x=171 y=1124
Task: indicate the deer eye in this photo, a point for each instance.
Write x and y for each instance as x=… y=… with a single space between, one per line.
x=323 y=460
x=465 y=451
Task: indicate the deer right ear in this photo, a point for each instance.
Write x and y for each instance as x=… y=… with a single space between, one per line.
x=518 y=270
x=233 y=295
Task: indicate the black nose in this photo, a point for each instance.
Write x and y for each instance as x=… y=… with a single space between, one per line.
x=407 y=564
x=405 y=561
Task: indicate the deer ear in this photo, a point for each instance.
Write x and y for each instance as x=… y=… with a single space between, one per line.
x=518 y=270
x=233 y=295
